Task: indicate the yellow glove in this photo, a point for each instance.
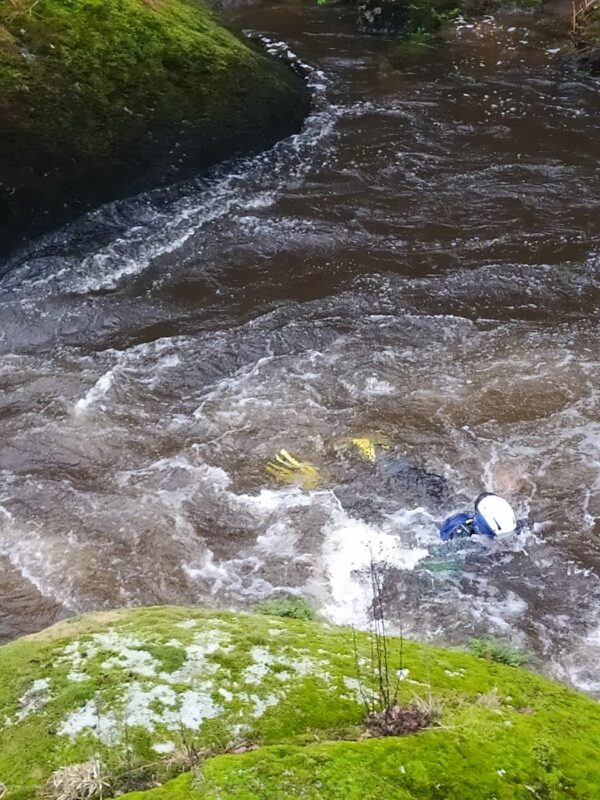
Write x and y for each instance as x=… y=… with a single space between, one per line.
x=367 y=445
x=287 y=469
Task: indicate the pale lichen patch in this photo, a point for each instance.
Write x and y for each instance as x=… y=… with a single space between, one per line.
x=148 y=707
x=123 y=651
x=187 y=624
x=151 y=702
x=262 y=659
x=199 y=687
x=196 y=706
x=163 y=748
x=197 y=654
x=137 y=661
x=306 y=666
x=265 y=663
x=74 y=676
x=35 y=698
x=352 y=683
x=88 y=718
x=261 y=704
x=140 y=706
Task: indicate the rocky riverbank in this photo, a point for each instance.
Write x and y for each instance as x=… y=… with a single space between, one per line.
x=105 y=98
x=180 y=703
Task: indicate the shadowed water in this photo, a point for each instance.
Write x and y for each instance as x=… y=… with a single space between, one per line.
x=420 y=262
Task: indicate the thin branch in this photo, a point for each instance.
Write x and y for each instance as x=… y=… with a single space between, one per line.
x=579 y=11
x=363 y=696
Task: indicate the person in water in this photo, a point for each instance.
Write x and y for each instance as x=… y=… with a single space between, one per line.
x=395 y=479
x=492 y=517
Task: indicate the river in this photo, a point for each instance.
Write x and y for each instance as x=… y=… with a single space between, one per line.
x=421 y=262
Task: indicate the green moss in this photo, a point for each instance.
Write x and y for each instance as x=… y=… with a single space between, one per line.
x=170 y=658
x=105 y=97
x=399 y=17
x=430 y=766
x=288 y=687
x=501 y=652
x=590 y=32
x=287 y=606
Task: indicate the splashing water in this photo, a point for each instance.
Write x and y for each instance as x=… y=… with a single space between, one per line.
x=420 y=263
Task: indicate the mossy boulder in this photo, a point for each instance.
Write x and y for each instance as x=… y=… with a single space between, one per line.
x=401 y=17
x=104 y=98
x=266 y=708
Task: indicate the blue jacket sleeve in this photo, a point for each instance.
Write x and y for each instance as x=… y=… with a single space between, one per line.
x=454 y=525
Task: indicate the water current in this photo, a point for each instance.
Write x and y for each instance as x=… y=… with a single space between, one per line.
x=421 y=262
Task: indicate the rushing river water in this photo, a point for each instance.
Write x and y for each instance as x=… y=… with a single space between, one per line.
x=420 y=262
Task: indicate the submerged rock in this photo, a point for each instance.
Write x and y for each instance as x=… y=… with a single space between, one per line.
x=588 y=60
x=128 y=699
x=104 y=98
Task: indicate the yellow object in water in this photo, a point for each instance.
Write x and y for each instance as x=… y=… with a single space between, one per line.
x=367 y=445
x=287 y=469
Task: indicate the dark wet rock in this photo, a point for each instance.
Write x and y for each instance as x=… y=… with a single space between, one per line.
x=373 y=491
x=428 y=486
x=100 y=100
x=588 y=60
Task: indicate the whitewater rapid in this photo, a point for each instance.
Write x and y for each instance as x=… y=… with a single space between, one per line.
x=420 y=263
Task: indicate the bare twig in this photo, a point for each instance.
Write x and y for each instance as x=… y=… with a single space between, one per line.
x=361 y=688
x=21 y=12
x=193 y=754
x=580 y=9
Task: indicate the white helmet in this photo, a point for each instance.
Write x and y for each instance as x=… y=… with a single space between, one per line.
x=494 y=516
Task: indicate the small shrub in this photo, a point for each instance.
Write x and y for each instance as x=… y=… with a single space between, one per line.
x=400 y=720
x=286 y=606
x=429 y=706
x=490 y=700
x=78 y=782
x=500 y=652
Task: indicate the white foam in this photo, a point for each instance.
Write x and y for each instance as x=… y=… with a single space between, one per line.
x=98 y=391
x=378 y=388
x=33 y=556
x=349 y=549
x=579 y=666
x=279 y=538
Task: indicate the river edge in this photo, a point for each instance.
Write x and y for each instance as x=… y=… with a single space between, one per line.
x=105 y=100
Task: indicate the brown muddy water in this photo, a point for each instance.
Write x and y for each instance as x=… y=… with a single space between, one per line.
x=422 y=261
